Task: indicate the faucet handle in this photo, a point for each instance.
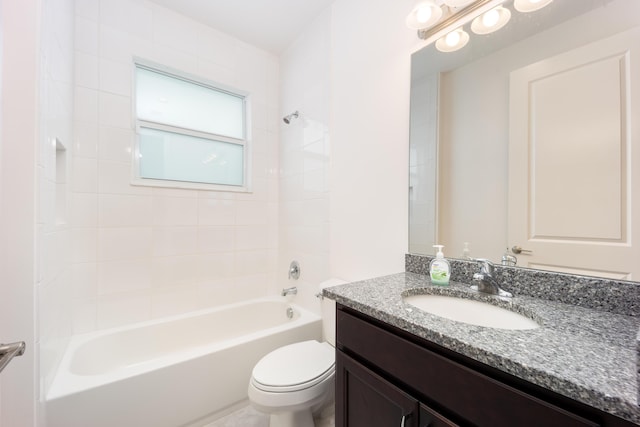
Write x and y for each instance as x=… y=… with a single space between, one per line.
x=486 y=266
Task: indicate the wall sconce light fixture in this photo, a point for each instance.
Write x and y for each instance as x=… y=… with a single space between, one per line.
x=442 y=21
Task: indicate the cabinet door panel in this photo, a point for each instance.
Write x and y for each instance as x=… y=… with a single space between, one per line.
x=369 y=400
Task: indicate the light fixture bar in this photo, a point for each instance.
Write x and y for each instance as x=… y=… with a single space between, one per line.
x=455 y=18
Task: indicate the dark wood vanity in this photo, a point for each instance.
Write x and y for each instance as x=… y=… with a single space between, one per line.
x=387 y=377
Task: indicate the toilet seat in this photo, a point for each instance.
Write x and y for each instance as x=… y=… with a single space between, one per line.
x=294 y=367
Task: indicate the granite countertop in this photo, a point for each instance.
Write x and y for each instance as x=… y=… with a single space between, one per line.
x=585 y=354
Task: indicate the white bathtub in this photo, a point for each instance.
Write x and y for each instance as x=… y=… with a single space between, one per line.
x=173 y=371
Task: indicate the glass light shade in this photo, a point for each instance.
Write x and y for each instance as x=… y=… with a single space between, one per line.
x=491 y=21
x=457 y=3
x=453 y=41
x=424 y=15
x=530 y=5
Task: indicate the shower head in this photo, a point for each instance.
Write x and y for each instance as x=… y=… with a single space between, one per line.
x=287 y=119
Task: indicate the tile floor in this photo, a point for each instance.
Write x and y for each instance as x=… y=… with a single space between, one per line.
x=249 y=417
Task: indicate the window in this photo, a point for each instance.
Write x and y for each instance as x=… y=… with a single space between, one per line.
x=190 y=133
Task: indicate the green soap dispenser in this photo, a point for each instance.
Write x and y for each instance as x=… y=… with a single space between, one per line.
x=439 y=268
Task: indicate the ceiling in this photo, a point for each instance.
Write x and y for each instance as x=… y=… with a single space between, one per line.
x=269 y=24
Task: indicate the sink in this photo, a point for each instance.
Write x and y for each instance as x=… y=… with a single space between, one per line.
x=471 y=311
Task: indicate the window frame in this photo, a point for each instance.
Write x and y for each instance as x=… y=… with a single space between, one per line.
x=245 y=142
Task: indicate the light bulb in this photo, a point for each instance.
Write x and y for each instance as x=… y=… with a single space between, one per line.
x=490 y=18
x=530 y=5
x=491 y=21
x=452 y=39
x=423 y=14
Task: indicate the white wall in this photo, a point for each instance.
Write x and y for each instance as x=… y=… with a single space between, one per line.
x=141 y=252
x=370 y=72
x=18 y=150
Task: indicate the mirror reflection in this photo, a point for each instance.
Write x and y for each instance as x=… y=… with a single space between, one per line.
x=520 y=142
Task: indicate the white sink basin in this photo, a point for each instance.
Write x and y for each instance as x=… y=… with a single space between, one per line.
x=471 y=312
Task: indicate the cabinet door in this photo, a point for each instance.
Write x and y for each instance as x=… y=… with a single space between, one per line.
x=364 y=399
x=430 y=418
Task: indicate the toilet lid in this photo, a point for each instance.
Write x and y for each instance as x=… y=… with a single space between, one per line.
x=294 y=367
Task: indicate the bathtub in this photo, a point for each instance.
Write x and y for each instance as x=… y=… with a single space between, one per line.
x=175 y=371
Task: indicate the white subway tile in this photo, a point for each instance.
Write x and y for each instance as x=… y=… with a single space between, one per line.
x=124 y=243
x=216 y=266
x=115 y=144
x=216 y=239
x=85 y=175
x=84 y=210
x=115 y=110
x=250 y=263
x=117 y=45
x=87 y=9
x=115 y=178
x=174 y=300
x=173 y=211
x=174 y=58
x=216 y=212
x=86 y=36
x=175 y=270
x=123 y=276
x=84 y=316
x=86 y=105
x=116 y=210
x=172 y=241
x=131 y=16
x=118 y=310
x=115 y=77
x=217 y=47
x=84 y=244
x=86 y=70
x=251 y=237
x=86 y=140
x=84 y=280
x=174 y=30
x=251 y=213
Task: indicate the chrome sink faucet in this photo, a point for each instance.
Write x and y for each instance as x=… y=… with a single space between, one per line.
x=485 y=280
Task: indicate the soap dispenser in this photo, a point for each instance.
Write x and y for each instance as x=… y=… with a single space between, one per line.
x=466 y=252
x=439 y=268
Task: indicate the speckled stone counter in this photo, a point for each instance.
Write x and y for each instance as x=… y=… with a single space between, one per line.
x=586 y=354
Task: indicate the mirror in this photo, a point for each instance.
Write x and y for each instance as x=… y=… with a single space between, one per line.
x=460 y=128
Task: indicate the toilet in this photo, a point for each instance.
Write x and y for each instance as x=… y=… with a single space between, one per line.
x=294 y=382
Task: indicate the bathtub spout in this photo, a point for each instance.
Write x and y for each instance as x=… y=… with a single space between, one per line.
x=289 y=291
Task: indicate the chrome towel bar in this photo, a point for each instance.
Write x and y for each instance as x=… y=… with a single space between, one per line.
x=9 y=351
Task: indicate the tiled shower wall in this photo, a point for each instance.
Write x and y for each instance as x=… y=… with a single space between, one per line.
x=304 y=161
x=55 y=139
x=140 y=252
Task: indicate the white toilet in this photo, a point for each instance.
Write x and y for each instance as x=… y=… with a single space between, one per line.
x=296 y=381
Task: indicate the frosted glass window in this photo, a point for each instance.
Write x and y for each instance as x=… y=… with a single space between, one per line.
x=161 y=98
x=171 y=156
x=190 y=133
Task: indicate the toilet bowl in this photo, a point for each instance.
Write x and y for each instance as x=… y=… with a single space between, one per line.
x=294 y=382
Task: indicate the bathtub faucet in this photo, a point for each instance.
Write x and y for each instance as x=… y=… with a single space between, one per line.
x=289 y=291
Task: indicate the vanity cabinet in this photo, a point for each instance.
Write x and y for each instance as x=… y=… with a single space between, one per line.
x=388 y=377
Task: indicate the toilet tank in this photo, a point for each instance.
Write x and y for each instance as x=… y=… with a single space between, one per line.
x=329 y=312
